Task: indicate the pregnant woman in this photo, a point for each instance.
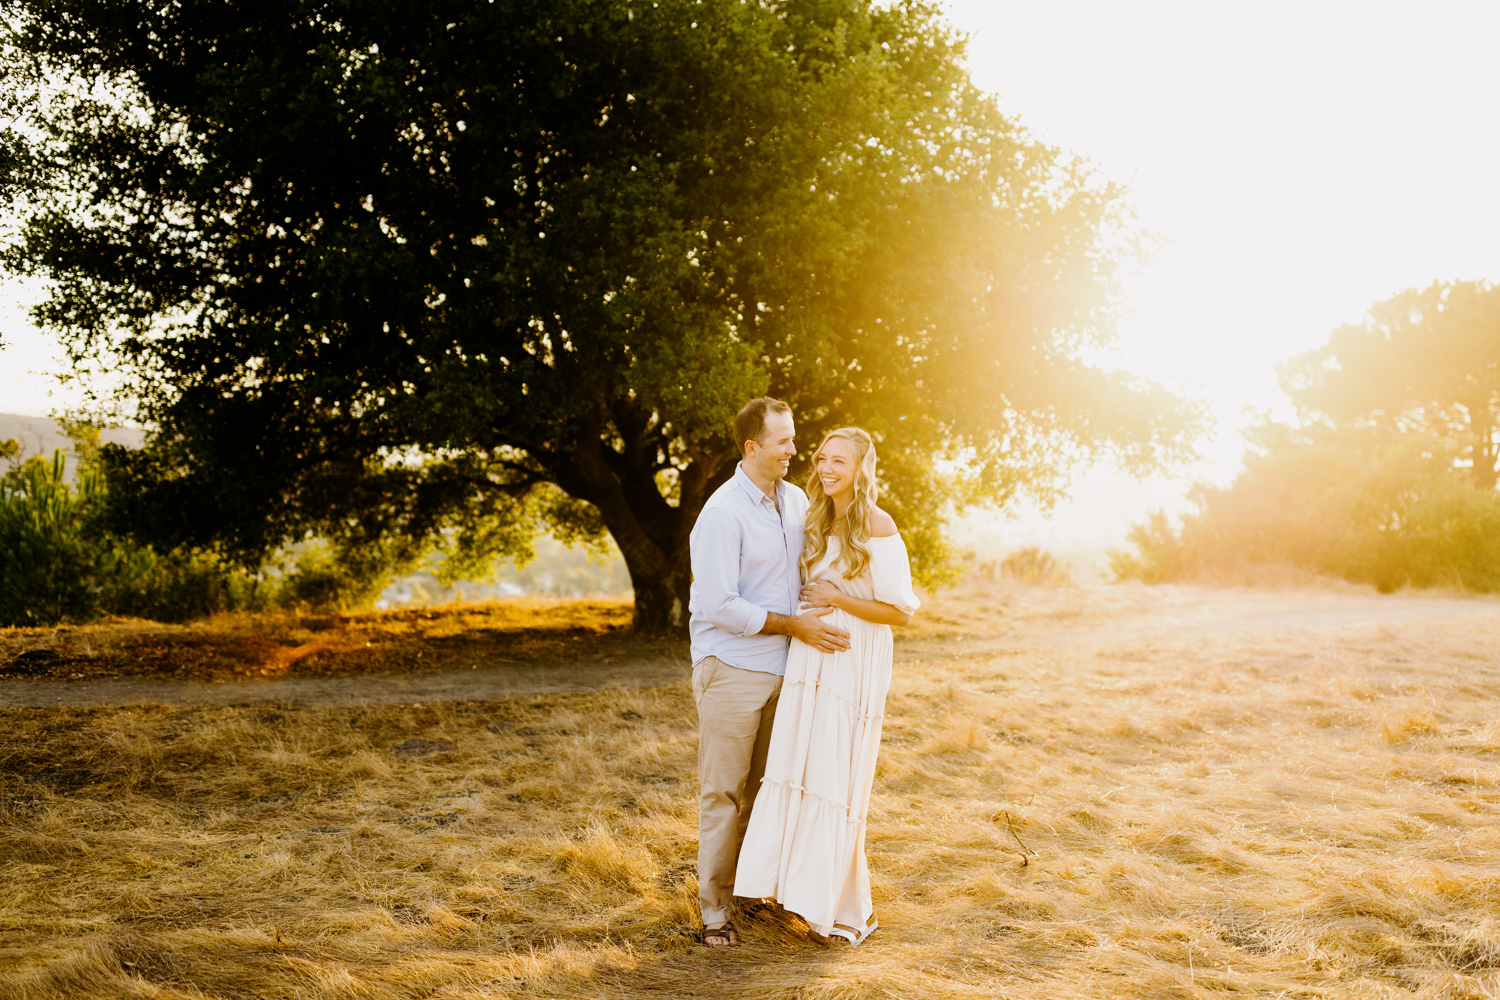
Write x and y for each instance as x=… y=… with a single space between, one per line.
x=805 y=845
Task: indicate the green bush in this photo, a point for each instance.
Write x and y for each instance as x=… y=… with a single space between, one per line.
x=60 y=559
x=186 y=584
x=58 y=563
x=53 y=565
x=313 y=574
x=1392 y=512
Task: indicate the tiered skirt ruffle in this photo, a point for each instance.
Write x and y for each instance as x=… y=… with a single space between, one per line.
x=805 y=842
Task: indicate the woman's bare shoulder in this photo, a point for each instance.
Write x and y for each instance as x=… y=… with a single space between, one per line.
x=882 y=525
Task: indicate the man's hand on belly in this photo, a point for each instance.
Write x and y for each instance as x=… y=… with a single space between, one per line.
x=810 y=628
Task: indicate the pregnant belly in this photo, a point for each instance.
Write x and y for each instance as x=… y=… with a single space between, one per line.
x=864 y=637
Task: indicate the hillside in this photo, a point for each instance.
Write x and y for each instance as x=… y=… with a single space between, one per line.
x=40 y=435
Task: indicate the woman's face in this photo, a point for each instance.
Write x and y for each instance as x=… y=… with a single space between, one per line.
x=836 y=465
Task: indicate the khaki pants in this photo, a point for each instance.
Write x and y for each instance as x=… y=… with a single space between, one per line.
x=735 y=711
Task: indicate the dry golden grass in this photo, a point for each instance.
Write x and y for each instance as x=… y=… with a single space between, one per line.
x=1270 y=814
x=275 y=644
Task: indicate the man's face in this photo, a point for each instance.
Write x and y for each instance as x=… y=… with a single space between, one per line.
x=772 y=454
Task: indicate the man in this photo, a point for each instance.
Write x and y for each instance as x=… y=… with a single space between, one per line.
x=744 y=606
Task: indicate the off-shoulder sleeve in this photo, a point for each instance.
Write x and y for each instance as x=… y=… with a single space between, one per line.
x=890 y=573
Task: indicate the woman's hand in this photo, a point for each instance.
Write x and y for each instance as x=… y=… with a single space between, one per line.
x=821 y=594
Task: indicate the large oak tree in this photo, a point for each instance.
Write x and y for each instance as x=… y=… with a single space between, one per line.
x=457 y=269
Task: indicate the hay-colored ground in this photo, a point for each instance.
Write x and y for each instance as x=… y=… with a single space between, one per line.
x=240 y=646
x=1274 y=813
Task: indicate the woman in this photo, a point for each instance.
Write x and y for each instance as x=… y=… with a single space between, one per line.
x=805 y=844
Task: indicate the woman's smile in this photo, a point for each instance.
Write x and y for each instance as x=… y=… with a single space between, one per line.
x=835 y=464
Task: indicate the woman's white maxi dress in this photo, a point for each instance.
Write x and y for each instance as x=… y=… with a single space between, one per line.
x=805 y=844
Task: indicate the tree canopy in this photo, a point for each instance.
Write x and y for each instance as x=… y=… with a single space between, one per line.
x=458 y=270
x=1387 y=477
x=1422 y=361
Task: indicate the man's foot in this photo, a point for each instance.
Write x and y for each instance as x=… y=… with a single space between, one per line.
x=721 y=935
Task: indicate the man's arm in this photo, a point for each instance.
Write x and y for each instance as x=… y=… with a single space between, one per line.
x=715 y=553
x=810 y=628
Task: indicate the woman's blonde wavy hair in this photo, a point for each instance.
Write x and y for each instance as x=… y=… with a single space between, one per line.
x=855 y=531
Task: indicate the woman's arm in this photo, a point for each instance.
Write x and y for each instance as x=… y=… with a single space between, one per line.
x=821 y=593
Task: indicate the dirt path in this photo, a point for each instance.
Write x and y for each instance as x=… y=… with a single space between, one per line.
x=479 y=684
x=1089 y=616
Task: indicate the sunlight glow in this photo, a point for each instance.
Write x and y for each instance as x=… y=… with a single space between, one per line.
x=1300 y=161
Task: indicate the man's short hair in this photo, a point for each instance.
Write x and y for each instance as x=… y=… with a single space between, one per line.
x=750 y=422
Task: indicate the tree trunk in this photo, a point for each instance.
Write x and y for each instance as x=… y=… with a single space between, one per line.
x=652 y=534
x=1485 y=448
x=662 y=585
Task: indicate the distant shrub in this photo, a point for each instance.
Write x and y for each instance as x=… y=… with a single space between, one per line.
x=67 y=555
x=1036 y=567
x=186 y=584
x=59 y=563
x=54 y=565
x=313 y=575
x=1392 y=513
x=1160 y=554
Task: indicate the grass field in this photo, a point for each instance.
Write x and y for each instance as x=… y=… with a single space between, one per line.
x=241 y=646
x=1275 y=813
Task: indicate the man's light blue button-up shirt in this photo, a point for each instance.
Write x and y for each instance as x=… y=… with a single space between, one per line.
x=744 y=566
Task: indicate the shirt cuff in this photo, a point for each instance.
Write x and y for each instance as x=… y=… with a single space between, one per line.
x=756 y=622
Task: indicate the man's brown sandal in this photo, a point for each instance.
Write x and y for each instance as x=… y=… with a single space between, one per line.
x=723 y=936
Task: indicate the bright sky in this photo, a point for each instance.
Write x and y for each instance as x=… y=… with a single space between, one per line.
x=1304 y=160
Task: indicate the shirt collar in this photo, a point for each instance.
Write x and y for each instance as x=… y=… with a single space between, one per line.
x=754 y=492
